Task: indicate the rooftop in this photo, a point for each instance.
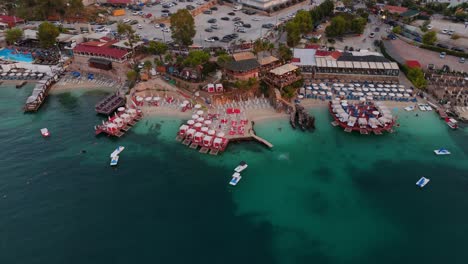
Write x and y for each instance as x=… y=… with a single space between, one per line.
x=101 y=51
x=243 y=56
x=267 y=60
x=303 y=57
x=284 y=69
x=243 y=65
x=395 y=9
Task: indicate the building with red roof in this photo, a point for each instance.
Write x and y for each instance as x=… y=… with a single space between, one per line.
x=103 y=50
x=11 y=21
x=395 y=9
x=331 y=54
x=119 y=2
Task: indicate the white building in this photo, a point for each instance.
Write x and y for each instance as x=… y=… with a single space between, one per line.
x=452 y=2
x=263 y=4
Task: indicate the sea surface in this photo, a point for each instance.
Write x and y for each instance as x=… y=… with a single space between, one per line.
x=323 y=197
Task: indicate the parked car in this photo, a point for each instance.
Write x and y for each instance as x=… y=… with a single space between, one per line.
x=209 y=40
x=165 y=11
x=139 y=26
x=162 y=25
x=190 y=7
x=371 y=35
x=445 y=31
x=241 y=30
x=461 y=60
x=451 y=32
x=237 y=19
x=458 y=49
x=442 y=54
x=208 y=29
x=214 y=8
x=269 y=25
x=225 y=18
x=429 y=27
x=392 y=36
x=231 y=13
x=247 y=25
x=215 y=38
x=207 y=12
x=440 y=45
x=134 y=22
x=212 y=20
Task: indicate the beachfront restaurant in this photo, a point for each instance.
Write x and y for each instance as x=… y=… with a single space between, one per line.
x=112 y=54
x=242 y=70
x=283 y=76
x=340 y=69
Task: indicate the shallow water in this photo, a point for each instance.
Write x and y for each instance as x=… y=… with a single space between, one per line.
x=321 y=197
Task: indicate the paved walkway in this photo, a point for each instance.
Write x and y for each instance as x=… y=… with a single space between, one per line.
x=402 y=51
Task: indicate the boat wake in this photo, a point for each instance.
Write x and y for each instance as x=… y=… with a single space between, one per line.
x=284 y=156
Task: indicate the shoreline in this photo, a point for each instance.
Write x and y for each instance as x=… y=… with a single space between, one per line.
x=57 y=88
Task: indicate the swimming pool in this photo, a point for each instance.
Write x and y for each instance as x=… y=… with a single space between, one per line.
x=8 y=54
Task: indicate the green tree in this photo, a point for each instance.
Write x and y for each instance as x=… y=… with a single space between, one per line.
x=223 y=59
x=284 y=53
x=358 y=25
x=416 y=76
x=293 y=32
x=157 y=48
x=47 y=34
x=396 y=30
x=304 y=21
x=132 y=75
x=183 y=27
x=337 y=27
x=147 y=65
x=429 y=38
x=127 y=32
x=196 y=58
x=13 y=35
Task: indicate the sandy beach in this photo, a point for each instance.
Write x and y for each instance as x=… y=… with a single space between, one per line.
x=313 y=103
x=61 y=87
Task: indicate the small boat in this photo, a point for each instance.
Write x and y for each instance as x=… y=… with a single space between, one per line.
x=452 y=123
x=45 y=132
x=236 y=177
x=428 y=107
x=114 y=160
x=441 y=151
x=409 y=108
x=242 y=166
x=422 y=107
x=117 y=151
x=422 y=182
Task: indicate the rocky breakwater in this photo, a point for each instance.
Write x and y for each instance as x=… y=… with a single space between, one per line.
x=299 y=117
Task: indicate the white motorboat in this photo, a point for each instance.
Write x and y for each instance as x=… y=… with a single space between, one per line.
x=45 y=132
x=117 y=151
x=242 y=166
x=422 y=107
x=441 y=151
x=114 y=160
x=409 y=108
x=452 y=123
x=428 y=107
x=236 y=177
x=422 y=182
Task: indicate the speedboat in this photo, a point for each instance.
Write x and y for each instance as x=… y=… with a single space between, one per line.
x=117 y=151
x=428 y=107
x=441 y=151
x=114 y=160
x=45 y=132
x=242 y=166
x=452 y=123
x=236 y=177
x=409 y=108
x=422 y=182
x=422 y=107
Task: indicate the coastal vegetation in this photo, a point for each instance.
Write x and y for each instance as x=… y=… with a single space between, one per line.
x=128 y=32
x=44 y=9
x=416 y=76
x=12 y=35
x=157 y=48
x=47 y=34
x=183 y=27
x=346 y=24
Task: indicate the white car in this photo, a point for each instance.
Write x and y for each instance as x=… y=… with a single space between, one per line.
x=209 y=40
x=135 y=13
x=139 y=26
x=442 y=54
x=166 y=30
x=451 y=32
x=156 y=26
x=429 y=27
x=371 y=35
x=256 y=19
x=127 y=20
x=445 y=31
x=200 y=3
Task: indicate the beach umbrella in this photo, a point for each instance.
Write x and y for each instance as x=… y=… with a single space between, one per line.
x=379 y=89
x=369 y=98
x=383 y=94
x=372 y=89
x=379 y=85
x=186 y=102
x=4 y=74
x=200 y=112
x=394 y=86
x=409 y=90
x=13 y=70
x=369 y=93
x=344 y=101
x=220 y=134
x=341 y=84
x=329 y=93
x=118 y=120
x=148 y=99
x=139 y=98
x=386 y=90
x=337 y=88
x=195 y=116
x=197 y=106
x=362 y=99
x=387 y=85
x=399 y=95
x=394 y=90
x=157 y=98
x=371 y=85
x=316 y=88
x=309 y=88
x=344 y=104
x=335 y=84
x=121 y=109
x=406 y=95
x=315 y=92
x=197 y=125
x=322 y=84
x=357 y=85
x=359 y=89
x=190 y=122
x=200 y=119
x=322 y=92
x=375 y=93
x=351 y=89
x=344 y=89
x=11 y=74
x=204 y=129
x=211 y=132
x=365 y=89
x=401 y=90
x=182 y=105
x=207 y=122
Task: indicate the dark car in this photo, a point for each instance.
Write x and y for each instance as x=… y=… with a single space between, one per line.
x=225 y=40
x=392 y=36
x=162 y=25
x=207 y=12
x=208 y=29
x=225 y=18
x=247 y=25
x=458 y=49
x=134 y=22
x=231 y=13
x=215 y=38
x=269 y=25
x=190 y=7
x=237 y=19
x=213 y=20
x=166 y=6
x=214 y=8
x=234 y=35
x=440 y=45
x=377 y=29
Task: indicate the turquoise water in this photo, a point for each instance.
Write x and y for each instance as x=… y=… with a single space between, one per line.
x=9 y=55
x=322 y=197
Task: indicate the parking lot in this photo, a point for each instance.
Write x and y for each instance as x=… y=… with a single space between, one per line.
x=153 y=31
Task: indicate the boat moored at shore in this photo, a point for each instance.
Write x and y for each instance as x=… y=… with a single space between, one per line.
x=452 y=123
x=442 y=151
x=45 y=132
x=242 y=166
x=236 y=177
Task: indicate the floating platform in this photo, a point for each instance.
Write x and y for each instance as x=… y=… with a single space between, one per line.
x=204 y=150
x=194 y=146
x=179 y=138
x=187 y=142
x=214 y=152
x=109 y=104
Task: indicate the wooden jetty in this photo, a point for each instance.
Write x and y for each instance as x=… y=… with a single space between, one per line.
x=261 y=140
x=109 y=104
x=39 y=94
